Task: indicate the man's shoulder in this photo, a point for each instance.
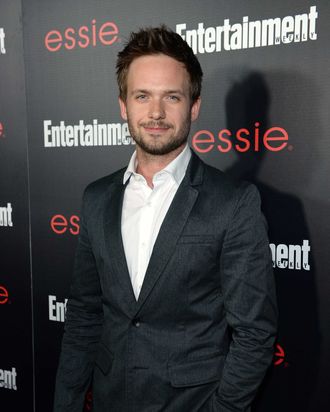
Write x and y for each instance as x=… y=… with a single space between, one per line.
x=218 y=179
x=222 y=189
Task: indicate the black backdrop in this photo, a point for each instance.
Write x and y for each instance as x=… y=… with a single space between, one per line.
x=265 y=118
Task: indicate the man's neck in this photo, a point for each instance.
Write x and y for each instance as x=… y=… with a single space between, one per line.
x=148 y=165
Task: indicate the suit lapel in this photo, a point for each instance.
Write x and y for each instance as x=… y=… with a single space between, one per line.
x=171 y=228
x=114 y=243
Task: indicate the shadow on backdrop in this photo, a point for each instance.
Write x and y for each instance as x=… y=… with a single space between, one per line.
x=289 y=384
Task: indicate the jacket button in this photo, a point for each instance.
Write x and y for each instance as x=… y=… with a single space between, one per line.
x=136 y=323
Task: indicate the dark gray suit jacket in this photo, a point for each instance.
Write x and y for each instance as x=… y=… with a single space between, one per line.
x=200 y=336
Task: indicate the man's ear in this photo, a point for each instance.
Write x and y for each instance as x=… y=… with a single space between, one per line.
x=123 y=110
x=194 y=111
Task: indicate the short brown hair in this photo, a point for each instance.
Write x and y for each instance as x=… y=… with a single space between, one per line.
x=158 y=40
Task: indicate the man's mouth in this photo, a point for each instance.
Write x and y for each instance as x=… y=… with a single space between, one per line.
x=156 y=128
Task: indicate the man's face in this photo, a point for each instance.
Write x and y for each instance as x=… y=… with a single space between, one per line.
x=158 y=107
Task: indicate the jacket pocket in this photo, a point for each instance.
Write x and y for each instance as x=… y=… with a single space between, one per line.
x=191 y=239
x=104 y=359
x=196 y=372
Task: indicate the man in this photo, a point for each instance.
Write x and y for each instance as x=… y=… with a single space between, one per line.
x=172 y=304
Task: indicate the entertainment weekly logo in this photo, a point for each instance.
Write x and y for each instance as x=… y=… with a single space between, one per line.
x=84 y=134
x=6 y=216
x=295 y=257
x=274 y=139
x=91 y=35
x=56 y=309
x=2 y=41
x=250 y=34
x=8 y=379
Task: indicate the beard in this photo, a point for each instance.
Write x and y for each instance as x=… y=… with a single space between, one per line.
x=157 y=144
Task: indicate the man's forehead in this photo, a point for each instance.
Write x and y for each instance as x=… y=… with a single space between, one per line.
x=157 y=69
x=157 y=61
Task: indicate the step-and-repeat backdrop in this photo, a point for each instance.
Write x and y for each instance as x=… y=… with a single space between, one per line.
x=265 y=118
x=16 y=355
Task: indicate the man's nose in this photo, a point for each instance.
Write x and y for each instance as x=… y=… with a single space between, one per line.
x=157 y=110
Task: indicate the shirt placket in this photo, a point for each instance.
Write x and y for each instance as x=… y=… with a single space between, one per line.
x=145 y=233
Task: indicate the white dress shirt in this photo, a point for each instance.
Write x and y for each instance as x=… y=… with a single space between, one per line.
x=144 y=210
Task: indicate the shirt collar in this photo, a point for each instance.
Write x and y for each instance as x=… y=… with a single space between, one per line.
x=177 y=168
x=130 y=168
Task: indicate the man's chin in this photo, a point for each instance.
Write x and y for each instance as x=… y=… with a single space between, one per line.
x=159 y=150
x=156 y=151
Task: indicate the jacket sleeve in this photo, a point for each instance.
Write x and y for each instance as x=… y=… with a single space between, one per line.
x=250 y=303
x=83 y=326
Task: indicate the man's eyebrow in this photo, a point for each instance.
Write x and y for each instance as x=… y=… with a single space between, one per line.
x=139 y=91
x=169 y=91
x=174 y=91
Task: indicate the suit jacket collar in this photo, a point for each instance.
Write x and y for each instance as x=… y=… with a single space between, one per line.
x=166 y=241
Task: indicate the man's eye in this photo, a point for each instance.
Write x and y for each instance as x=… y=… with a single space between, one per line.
x=173 y=98
x=141 y=97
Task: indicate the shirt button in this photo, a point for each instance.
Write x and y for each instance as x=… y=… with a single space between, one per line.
x=136 y=323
